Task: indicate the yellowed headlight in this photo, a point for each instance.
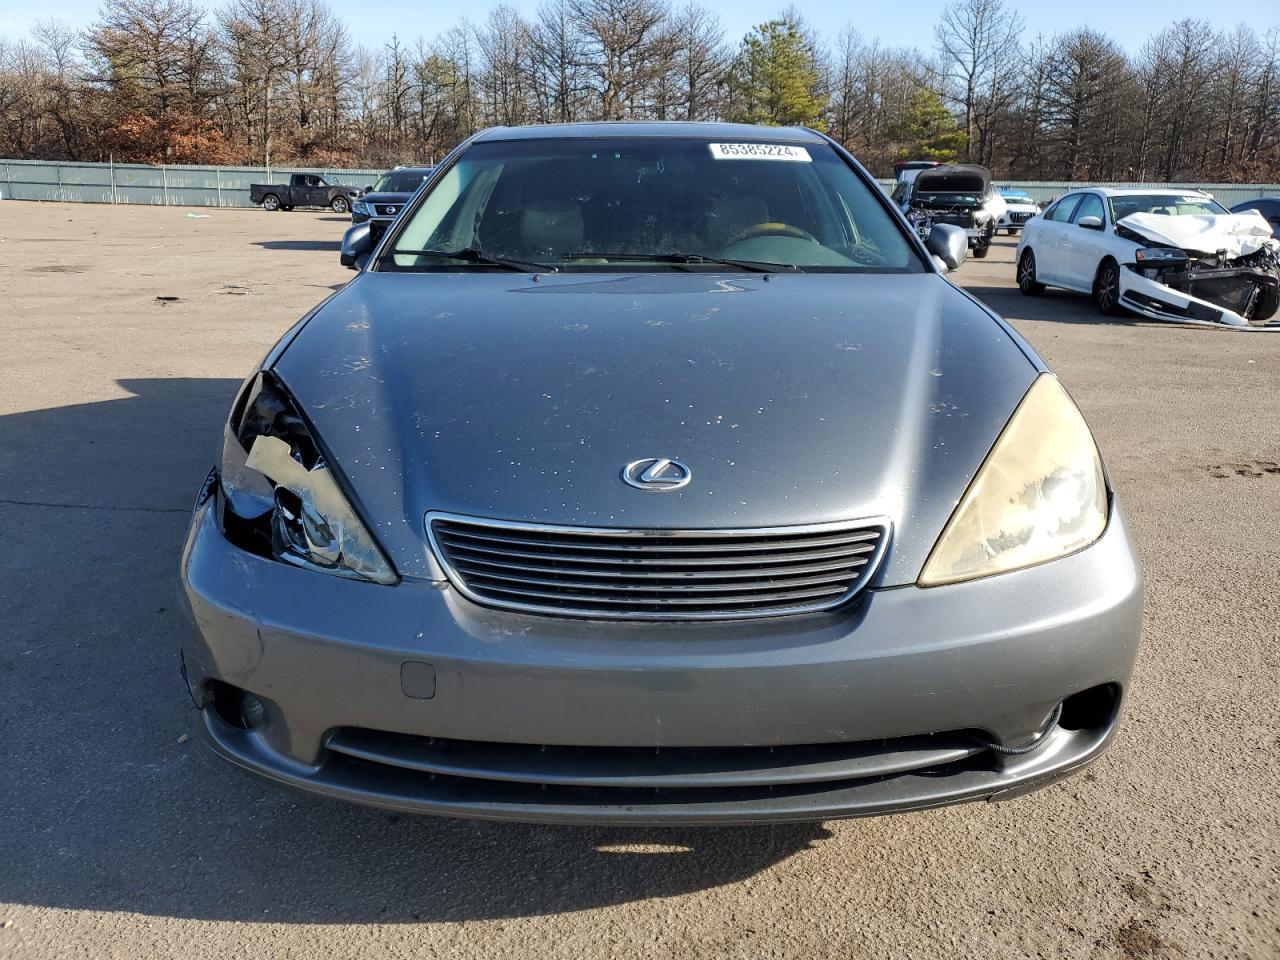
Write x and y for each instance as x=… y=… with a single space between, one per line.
x=1039 y=494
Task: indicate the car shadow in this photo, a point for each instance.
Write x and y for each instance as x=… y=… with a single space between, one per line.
x=332 y=246
x=110 y=802
x=1053 y=306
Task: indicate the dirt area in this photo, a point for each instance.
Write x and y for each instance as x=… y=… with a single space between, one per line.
x=125 y=332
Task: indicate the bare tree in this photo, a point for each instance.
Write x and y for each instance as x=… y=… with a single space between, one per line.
x=254 y=37
x=620 y=40
x=977 y=42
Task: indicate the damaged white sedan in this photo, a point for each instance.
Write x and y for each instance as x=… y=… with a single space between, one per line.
x=1168 y=254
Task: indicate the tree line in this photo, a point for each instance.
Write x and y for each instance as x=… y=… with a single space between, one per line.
x=281 y=81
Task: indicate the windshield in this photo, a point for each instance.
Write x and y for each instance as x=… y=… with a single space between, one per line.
x=1016 y=196
x=400 y=181
x=663 y=203
x=1172 y=204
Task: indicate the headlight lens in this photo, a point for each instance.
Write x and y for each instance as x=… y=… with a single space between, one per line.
x=1160 y=255
x=279 y=496
x=360 y=207
x=1039 y=495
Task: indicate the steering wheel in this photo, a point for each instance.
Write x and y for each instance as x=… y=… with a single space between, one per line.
x=774 y=229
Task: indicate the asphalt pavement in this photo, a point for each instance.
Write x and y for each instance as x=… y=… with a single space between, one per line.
x=124 y=332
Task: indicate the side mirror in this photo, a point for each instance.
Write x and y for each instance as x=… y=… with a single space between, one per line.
x=357 y=246
x=948 y=243
x=368 y=189
x=1090 y=223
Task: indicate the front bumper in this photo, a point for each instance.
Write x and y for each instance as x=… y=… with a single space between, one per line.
x=414 y=698
x=1014 y=220
x=1153 y=299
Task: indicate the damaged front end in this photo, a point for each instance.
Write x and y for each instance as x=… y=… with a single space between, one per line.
x=959 y=195
x=1236 y=285
x=279 y=495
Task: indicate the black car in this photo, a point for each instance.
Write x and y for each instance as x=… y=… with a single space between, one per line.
x=382 y=201
x=1269 y=207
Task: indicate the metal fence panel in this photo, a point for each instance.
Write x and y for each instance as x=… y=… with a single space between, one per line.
x=1228 y=194
x=186 y=186
x=195 y=186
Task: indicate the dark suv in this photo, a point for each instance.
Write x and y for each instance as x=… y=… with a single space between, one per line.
x=382 y=201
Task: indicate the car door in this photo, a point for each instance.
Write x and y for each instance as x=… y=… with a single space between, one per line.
x=1083 y=249
x=317 y=191
x=1050 y=238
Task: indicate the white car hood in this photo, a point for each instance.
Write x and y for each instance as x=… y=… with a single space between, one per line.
x=1239 y=234
x=1021 y=206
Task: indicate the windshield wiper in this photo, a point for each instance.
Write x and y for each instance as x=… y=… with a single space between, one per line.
x=478 y=256
x=753 y=266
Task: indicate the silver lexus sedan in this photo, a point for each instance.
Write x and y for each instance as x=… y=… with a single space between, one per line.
x=655 y=473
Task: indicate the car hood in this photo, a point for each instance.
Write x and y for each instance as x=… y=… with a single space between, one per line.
x=386 y=197
x=797 y=399
x=954 y=178
x=1239 y=234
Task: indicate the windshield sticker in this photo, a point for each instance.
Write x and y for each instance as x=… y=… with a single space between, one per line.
x=760 y=151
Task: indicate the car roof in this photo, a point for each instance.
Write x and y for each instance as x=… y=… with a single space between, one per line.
x=410 y=170
x=653 y=129
x=1140 y=191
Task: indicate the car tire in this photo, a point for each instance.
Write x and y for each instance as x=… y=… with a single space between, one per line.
x=1106 y=289
x=340 y=205
x=271 y=202
x=1267 y=306
x=1027 y=282
x=981 y=250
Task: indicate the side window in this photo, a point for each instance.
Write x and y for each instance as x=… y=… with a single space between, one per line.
x=1090 y=206
x=1064 y=208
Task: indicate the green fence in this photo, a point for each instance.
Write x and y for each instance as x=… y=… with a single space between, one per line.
x=177 y=186
x=1228 y=194
x=182 y=186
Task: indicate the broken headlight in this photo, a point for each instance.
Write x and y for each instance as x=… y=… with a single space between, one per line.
x=1039 y=495
x=280 y=498
x=1160 y=256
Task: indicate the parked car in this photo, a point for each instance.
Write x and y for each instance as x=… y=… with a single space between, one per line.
x=303 y=190
x=655 y=473
x=958 y=194
x=1167 y=254
x=1269 y=207
x=381 y=202
x=908 y=170
x=1019 y=208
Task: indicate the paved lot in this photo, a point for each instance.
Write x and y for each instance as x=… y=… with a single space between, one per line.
x=121 y=837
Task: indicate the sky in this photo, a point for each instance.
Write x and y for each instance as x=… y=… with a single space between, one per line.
x=898 y=24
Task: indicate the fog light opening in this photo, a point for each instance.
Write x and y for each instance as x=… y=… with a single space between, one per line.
x=236 y=707
x=1090 y=709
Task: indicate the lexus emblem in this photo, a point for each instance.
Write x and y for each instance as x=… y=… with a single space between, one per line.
x=656 y=474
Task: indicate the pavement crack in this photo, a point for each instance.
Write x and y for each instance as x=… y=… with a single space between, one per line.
x=90 y=506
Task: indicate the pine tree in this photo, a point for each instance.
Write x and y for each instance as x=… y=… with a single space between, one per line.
x=775 y=78
x=928 y=130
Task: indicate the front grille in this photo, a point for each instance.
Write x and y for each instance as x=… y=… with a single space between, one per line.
x=1021 y=217
x=389 y=210
x=657 y=574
